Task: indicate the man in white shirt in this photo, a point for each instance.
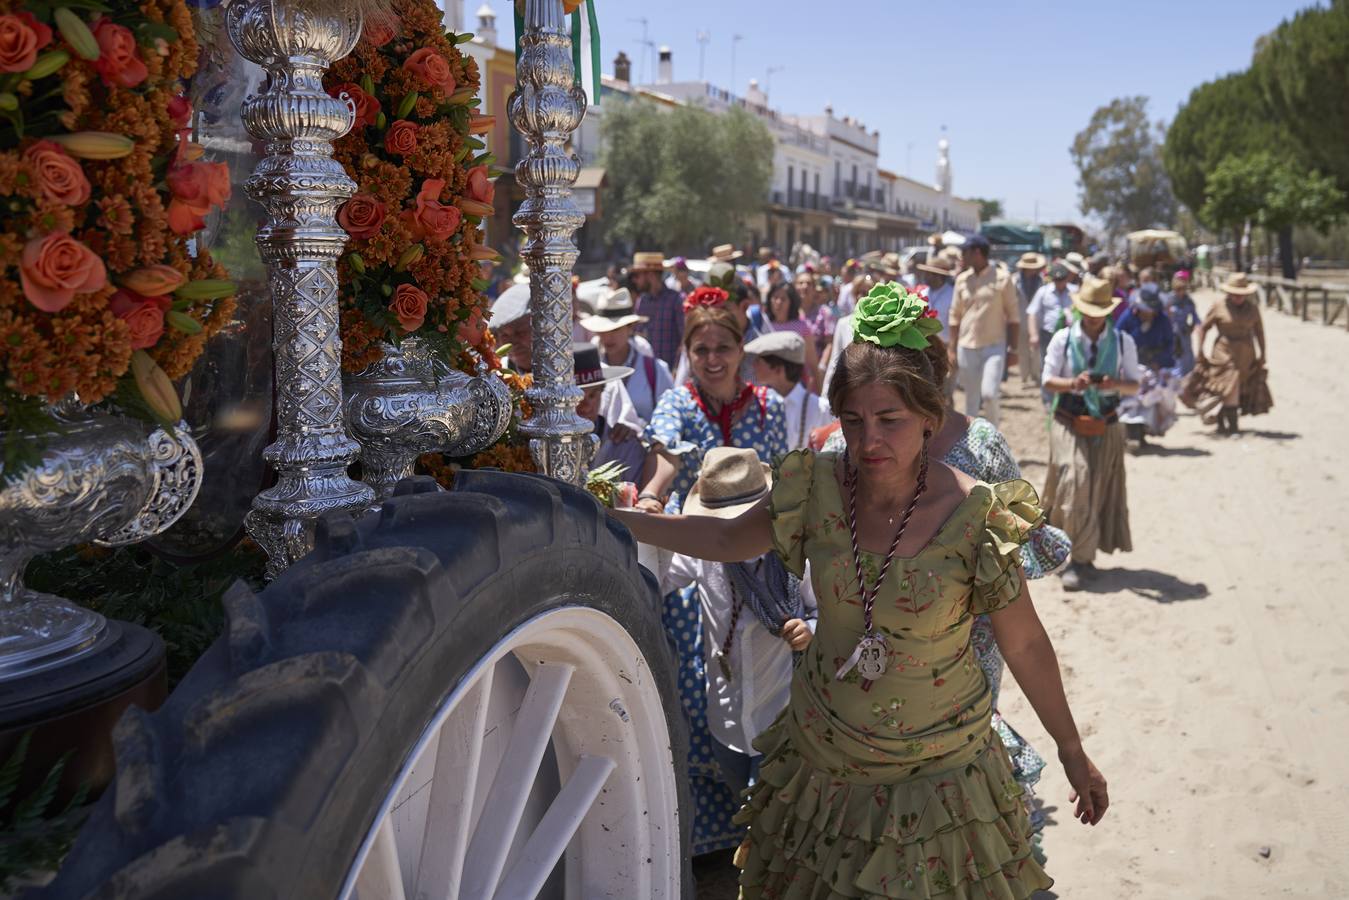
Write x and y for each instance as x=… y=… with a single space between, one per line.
x=615 y=328
x=779 y=358
x=605 y=402
x=1049 y=310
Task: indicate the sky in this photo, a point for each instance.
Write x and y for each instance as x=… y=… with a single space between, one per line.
x=1011 y=81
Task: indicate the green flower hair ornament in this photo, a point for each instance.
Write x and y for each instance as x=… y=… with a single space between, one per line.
x=891 y=315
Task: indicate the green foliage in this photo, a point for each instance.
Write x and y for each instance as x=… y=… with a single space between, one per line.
x=1302 y=71
x=34 y=836
x=1271 y=191
x=988 y=209
x=180 y=603
x=1120 y=171
x=682 y=179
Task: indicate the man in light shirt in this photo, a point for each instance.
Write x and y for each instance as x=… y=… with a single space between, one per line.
x=779 y=358
x=1049 y=311
x=984 y=321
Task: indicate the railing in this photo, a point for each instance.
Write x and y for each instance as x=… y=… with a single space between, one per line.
x=1299 y=298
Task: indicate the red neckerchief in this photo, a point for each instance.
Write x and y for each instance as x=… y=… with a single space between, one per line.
x=728 y=411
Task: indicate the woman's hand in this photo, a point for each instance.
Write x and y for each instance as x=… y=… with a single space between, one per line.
x=1089 y=791
x=649 y=504
x=797 y=634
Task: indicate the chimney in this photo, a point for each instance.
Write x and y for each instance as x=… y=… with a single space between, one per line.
x=665 y=72
x=755 y=95
x=487 y=25
x=622 y=68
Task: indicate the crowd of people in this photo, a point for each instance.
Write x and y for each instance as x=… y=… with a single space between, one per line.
x=784 y=425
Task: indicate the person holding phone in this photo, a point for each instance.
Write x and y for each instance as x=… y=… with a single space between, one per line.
x=1088 y=367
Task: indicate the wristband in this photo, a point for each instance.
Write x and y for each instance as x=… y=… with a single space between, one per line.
x=647 y=495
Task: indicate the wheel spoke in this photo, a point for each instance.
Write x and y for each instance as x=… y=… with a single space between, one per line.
x=381 y=878
x=506 y=800
x=554 y=832
x=449 y=817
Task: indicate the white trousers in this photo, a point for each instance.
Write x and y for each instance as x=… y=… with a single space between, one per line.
x=981 y=379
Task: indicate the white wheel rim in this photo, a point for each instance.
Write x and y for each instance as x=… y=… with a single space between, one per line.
x=589 y=695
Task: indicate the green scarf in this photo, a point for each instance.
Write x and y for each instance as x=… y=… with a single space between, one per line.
x=1107 y=361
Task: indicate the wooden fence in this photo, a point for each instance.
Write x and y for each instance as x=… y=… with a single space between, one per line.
x=1306 y=299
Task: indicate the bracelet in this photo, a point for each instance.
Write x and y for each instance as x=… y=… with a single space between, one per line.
x=647 y=495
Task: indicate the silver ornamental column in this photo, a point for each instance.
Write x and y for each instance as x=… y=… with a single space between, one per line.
x=301 y=185
x=546 y=108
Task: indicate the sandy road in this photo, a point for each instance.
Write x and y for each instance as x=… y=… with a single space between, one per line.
x=1208 y=669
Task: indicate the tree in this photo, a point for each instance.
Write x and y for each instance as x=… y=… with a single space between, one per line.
x=988 y=209
x=1302 y=70
x=1120 y=171
x=683 y=179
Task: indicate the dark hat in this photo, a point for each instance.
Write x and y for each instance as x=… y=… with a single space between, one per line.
x=590 y=372
x=1057 y=271
x=976 y=242
x=1150 y=297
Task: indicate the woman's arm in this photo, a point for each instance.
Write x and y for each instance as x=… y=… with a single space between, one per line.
x=705 y=537
x=658 y=474
x=1030 y=656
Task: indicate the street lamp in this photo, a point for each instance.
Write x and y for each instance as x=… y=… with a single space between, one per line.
x=768 y=80
x=735 y=39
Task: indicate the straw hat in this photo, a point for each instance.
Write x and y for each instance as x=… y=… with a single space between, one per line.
x=724 y=253
x=643 y=261
x=613 y=311
x=1095 y=298
x=1033 y=262
x=590 y=370
x=731 y=481
x=1237 y=283
x=940 y=265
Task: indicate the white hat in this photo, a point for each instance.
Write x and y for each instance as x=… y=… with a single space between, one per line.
x=785 y=345
x=613 y=310
x=511 y=306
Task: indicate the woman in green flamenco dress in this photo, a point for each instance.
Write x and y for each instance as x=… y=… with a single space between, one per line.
x=883 y=777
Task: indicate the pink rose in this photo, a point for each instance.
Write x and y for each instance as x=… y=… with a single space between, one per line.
x=143 y=315
x=480 y=186
x=409 y=305
x=117 y=62
x=429 y=219
x=53 y=269
x=58 y=175
x=196 y=188
x=21 y=37
x=361 y=216
x=367 y=107
x=401 y=138
x=432 y=68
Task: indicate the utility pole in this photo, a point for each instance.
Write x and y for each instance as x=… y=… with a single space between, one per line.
x=908 y=159
x=768 y=81
x=735 y=39
x=703 y=37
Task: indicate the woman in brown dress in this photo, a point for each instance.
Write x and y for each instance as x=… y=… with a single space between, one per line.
x=1231 y=377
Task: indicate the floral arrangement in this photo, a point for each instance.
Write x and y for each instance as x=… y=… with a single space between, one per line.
x=892 y=315
x=101 y=295
x=424 y=185
x=705 y=296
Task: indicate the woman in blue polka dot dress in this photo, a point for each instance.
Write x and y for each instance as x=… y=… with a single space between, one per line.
x=715 y=409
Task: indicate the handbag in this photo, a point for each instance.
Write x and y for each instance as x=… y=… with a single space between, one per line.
x=1087 y=426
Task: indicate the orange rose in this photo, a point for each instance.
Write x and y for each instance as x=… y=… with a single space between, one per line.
x=428 y=65
x=55 y=268
x=143 y=315
x=480 y=186
x=180 y=110
x=117 y=62
x=21 y=37
x=153 y=281
x=402 y=137
x=428 y=219
x=367 y=107
x=361 y=216
x=58 y=176
x=378 y=30
x=196 y=187
x=472 y=330
x=409 y=305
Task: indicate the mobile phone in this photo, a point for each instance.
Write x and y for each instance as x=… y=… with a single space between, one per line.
x=1096 y=377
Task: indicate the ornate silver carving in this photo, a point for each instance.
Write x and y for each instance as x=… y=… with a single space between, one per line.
x=300 y=185
x=99 y=479
x=410 y=403
x=546 y=107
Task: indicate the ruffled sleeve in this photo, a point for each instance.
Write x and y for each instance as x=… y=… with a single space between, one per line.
x=792 y=481
x=1013 y=513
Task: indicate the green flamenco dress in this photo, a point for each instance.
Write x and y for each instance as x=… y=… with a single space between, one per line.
x=898 y=787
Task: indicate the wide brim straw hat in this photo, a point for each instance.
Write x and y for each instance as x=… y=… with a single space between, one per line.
x=1238 y=284
x=1032 y=261
x=613 y=311
x=731 y=481
x=1095 y=298
x=644 y=261
x=939 y=265
x=724 y=253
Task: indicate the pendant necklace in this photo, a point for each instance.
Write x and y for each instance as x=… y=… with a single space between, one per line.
x=870 y=654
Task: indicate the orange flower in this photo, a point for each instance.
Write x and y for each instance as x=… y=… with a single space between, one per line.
x=430 y=66
x=143 y=315
x=401 y=139
x=409 y=305
x=59 y=177
x=367 y=107
x=480 y=186
x=117 y=63
x=21 y=37
x=361 y=216
x=55 y=268
x=153 y=281
x=472 y=330
x=429 y=219
x=379 y=30
x=196 y=187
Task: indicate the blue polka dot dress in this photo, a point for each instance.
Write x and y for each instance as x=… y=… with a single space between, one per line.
x=683 y=430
